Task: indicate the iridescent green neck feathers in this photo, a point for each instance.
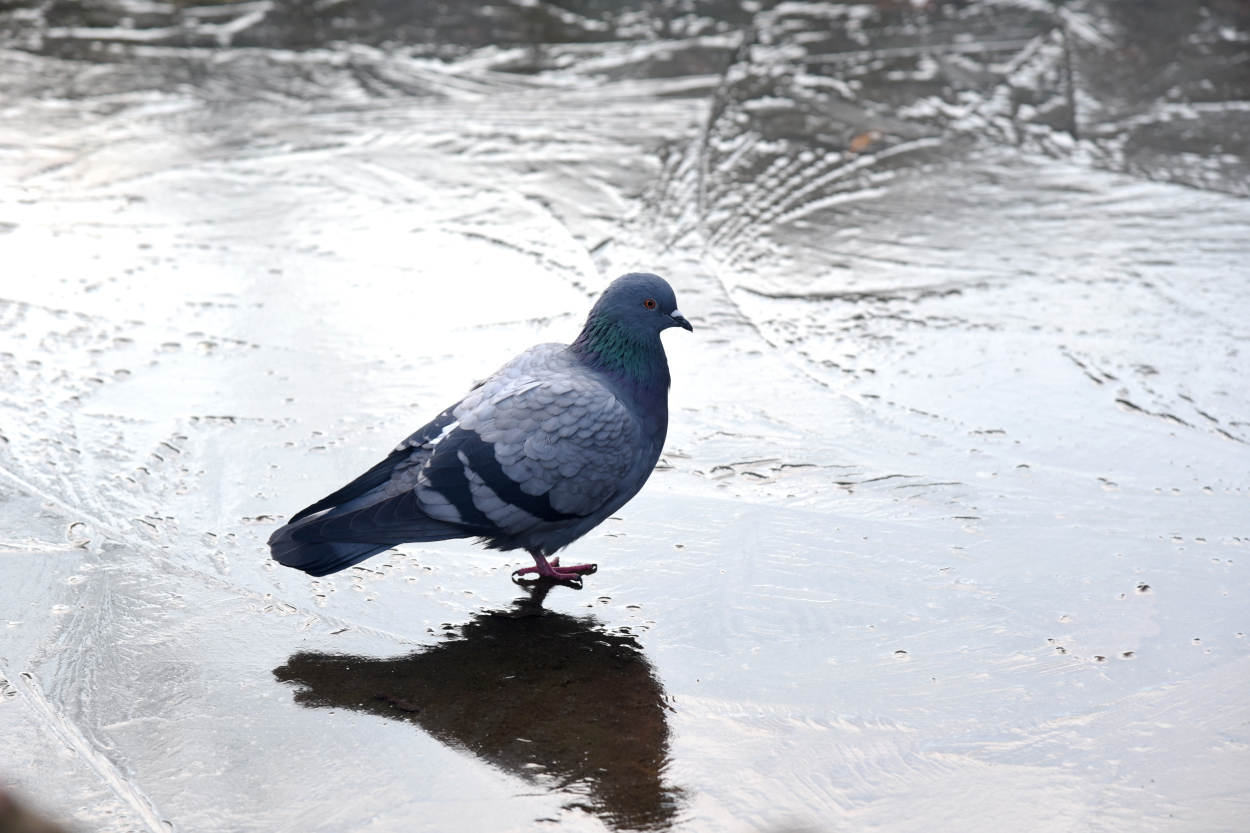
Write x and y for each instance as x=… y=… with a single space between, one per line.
x=631 y=354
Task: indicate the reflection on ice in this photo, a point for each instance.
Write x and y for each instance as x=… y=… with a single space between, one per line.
x=551 y=698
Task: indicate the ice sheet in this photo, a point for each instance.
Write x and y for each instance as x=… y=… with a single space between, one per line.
x=951 y=527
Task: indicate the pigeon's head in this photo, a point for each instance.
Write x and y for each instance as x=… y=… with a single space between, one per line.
x=642 y=300
x=622 y=332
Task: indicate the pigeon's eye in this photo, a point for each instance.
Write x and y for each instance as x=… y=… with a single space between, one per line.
x=649 y=303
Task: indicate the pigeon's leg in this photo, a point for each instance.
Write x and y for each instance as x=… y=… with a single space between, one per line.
x=553 y=570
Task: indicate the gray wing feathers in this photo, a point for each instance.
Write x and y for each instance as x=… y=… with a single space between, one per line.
x=539 y=447
x=564 y=435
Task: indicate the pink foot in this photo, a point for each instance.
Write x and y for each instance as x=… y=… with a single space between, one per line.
x=553 y=570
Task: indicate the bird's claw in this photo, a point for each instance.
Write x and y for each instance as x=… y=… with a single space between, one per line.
x=554 y=572
x=574 y=582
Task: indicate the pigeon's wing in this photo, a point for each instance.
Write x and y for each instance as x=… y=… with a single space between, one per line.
x=528 y=451
x=412 y=452
x=368 y=515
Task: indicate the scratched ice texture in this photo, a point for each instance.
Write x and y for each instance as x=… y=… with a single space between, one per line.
x=951 y=531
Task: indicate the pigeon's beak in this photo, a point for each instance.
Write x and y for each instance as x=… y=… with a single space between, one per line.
x=680 y=320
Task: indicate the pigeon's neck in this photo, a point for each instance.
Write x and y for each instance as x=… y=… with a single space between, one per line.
x=634 y=359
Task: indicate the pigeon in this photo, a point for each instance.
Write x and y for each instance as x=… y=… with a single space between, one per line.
x=533 y=458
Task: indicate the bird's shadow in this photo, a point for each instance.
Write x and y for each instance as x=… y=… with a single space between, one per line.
x=553 y=699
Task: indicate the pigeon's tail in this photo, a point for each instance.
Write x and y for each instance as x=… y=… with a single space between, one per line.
x=322 y=558
x=336 y=539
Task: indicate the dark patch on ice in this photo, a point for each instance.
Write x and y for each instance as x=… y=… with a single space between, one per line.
x=262 y=519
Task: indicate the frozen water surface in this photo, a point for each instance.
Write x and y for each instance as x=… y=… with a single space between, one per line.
x=951 y=531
